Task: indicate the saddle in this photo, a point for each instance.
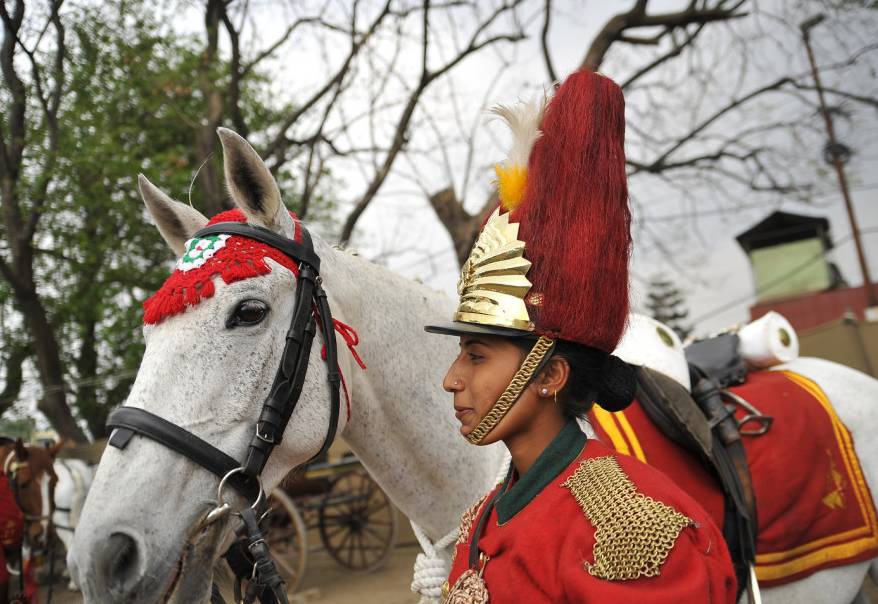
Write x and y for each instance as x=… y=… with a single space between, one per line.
x=702 y=424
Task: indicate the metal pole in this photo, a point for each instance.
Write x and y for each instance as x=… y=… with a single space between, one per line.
x=837 y=164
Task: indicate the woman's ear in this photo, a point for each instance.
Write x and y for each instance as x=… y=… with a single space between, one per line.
x=553 y=377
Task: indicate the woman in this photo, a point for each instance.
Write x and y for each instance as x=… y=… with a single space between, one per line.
x=544 y=300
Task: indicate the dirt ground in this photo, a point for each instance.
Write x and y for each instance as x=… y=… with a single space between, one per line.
x=326 y=582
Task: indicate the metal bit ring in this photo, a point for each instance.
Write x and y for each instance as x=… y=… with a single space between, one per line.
x=222 y=485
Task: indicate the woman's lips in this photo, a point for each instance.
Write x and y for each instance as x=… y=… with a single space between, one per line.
x=461 y=412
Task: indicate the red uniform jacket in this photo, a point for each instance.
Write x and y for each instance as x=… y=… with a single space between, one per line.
x=540 y=542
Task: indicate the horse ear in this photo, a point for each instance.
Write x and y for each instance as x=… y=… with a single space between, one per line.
x=176 y=221
x=54 y=449
x=251 y=185
x=20 y=450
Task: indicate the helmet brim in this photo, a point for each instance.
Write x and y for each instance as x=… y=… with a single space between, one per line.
x=459 y=328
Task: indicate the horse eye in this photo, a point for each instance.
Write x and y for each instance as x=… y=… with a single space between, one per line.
x=248 y=312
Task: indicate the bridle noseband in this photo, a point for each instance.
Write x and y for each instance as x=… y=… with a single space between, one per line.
x=311 y=307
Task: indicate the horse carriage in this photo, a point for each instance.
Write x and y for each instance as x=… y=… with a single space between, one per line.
x=339 y=501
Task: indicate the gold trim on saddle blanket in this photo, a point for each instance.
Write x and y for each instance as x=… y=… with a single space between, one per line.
x=776 y=566
x=779 y=567
x=519 y=381
x=633 y=533
x=492 y=283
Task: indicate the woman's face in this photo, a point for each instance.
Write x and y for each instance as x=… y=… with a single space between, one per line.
x=477 y=378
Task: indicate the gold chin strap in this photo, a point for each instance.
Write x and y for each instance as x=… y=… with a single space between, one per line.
x=520 y=380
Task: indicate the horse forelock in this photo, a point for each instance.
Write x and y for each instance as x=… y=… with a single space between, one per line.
x=240 y=258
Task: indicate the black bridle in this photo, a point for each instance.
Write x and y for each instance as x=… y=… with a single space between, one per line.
x=311 y=306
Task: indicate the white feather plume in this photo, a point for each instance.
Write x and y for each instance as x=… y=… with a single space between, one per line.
x=523 y=120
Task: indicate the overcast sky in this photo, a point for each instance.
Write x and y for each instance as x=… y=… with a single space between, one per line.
x=691 y=241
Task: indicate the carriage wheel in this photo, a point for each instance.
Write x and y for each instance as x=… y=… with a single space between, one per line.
x=286 y=538
x=357 y=522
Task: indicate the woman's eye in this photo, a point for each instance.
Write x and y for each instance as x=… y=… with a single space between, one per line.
x=475 y=357
x=248 y=312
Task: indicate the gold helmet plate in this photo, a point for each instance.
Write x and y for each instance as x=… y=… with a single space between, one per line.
x=493 y=282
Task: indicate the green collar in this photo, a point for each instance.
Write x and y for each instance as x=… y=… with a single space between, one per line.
x=563 y=449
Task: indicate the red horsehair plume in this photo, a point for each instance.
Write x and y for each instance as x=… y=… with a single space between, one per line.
x=574 y=215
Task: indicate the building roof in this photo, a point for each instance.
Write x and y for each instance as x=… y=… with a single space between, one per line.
x=784 y=227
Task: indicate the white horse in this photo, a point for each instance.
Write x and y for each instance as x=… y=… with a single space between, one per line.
x=140 y=537
x=74 y=480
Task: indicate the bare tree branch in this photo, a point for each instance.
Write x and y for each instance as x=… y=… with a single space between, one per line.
x=659 y=163
x=866 y=100
x=544 y=42
x=279 y=145
x=427 y=77
x=233 y=90
x=247 y=67
x=637 y=17
x=675 y=51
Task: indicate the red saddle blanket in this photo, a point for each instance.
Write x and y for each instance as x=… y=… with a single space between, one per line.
x=815 y=509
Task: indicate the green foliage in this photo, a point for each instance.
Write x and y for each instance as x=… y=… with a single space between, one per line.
x=131 y=105
x=22 y=428
x=667 y=304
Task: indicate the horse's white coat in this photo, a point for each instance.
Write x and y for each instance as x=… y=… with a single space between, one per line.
x=74 y=480
x=212 y=380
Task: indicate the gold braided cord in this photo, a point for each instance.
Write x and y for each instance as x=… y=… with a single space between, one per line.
x=469 y=588
x=633 y=533
x=521 y=378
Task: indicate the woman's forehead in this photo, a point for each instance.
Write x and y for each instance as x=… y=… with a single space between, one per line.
x=487 y=341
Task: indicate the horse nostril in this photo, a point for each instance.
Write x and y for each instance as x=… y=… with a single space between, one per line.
x=119 y=562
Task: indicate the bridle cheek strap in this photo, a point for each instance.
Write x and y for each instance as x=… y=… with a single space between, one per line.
x=311 y=305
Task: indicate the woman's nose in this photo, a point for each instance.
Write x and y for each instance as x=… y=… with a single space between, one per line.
x=452 y=383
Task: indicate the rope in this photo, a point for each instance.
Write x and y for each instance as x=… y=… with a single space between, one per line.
x=431 y=566
x=434 y=564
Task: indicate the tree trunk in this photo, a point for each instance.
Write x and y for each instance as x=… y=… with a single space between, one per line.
x=462 y=226
x=206 y=141
x=14 y=375
x=53 y=403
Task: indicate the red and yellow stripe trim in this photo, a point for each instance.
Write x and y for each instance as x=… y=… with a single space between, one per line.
x=776 y=566
x=621 y=434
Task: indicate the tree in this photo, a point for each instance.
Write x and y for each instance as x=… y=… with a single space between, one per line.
x=80 y=256
x=720 y=113
x=25 y=185
x=667 y=304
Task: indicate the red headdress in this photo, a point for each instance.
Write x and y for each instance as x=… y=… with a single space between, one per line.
x=551 y=263
x=553 y=259
x=231 y=258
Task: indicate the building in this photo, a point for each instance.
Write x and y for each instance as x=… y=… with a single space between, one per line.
x=793 y=276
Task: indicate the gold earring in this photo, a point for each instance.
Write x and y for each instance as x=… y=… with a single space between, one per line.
x=556 y=397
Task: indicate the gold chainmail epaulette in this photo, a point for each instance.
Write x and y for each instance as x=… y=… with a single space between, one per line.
x=467 y=519
x=633 y=533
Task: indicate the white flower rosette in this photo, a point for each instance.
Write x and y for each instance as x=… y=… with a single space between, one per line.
x=199 y=250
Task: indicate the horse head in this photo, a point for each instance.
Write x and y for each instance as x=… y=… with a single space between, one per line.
x=213 y=345
x=31 y=477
